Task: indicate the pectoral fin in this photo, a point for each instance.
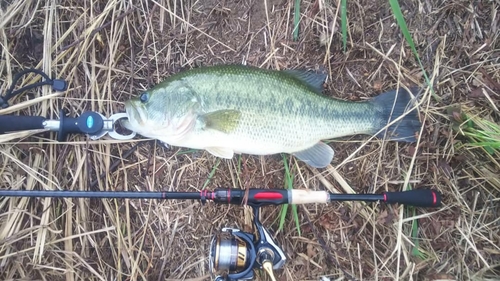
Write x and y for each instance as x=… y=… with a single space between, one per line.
x=221 y=152
x=317 y=156
x=222 y=120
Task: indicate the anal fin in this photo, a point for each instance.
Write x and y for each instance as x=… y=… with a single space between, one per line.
x=318 y=156
x=221 y=152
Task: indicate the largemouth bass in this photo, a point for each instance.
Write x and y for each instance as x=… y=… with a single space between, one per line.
x=232 y=109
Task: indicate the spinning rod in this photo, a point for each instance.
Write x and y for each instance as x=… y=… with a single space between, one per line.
x=254 y=197
x=234 y=254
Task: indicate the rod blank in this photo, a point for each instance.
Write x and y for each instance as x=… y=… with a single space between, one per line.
x=253 y=197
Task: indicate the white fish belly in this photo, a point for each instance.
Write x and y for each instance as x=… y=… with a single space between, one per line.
x=266 y=141
x=237 y=143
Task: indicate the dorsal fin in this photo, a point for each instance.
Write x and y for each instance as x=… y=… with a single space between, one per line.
x=311 y=78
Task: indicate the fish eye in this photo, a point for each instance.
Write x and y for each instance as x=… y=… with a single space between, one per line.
x=144 y=97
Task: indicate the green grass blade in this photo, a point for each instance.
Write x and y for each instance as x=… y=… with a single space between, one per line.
x=288 y=185
x=214 y=169
x=284 y=208
x=478 y=131
x=396 y=10
x=415 y=251
x=343 y=21
x=296 y=218
x=296 y=19
x=414 y=235
x=187 y=151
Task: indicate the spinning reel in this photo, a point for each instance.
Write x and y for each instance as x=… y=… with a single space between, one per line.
x=235 y=254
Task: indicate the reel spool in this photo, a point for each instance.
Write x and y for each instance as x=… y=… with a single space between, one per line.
x=234 y=253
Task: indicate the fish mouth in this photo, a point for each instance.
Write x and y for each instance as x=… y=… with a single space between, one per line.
x=135 y=118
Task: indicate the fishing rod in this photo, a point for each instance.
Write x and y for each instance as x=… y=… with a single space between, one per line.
x=235 y=254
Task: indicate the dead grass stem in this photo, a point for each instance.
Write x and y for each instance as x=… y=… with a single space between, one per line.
x=109 y=51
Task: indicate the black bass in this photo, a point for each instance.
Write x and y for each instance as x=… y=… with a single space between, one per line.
x=232 y=109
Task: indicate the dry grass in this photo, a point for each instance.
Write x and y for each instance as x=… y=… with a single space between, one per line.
x=112 y=50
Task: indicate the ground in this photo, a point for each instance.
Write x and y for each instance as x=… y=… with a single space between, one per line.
x=110 y=51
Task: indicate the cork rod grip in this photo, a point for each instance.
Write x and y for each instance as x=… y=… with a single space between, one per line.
x=302 y=196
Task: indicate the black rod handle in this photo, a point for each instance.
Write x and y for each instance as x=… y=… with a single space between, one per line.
x=15 y=123
x=416 y=197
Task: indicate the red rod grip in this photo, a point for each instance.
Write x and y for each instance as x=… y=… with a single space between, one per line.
x=417 y=198
x=255 y=197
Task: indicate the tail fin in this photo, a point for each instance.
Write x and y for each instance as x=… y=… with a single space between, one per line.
x=392 y=105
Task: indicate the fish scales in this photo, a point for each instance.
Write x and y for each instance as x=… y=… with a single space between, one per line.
x=241 y=109
x=276 y=108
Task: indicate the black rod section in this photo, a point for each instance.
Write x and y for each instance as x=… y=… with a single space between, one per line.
x=101 y=194
x=356 y=197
